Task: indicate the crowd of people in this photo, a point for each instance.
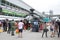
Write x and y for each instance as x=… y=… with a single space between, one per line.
x=10 y=26
x=53 y=27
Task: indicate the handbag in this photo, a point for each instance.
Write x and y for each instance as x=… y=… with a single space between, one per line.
x=17 y=31
x=1 y=30
x=45 y=30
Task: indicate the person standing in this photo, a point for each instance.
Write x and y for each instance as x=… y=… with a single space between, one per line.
x=0 y=24
x=45 y=30
x=9 y=27
x=4 y=25
x=20 y=27
x=52 y=26
x=12 y=27
x=58 y=22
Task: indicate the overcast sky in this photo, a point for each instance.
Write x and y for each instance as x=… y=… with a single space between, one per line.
x=45 y=5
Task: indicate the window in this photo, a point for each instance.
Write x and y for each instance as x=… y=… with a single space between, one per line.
x=11 y=4
x=0 y=9
x=3 y=1
x=7 y=3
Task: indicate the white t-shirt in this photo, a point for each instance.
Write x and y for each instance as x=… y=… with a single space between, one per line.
x=20 y=25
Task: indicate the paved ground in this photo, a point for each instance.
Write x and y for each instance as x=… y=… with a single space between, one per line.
x=27 y=35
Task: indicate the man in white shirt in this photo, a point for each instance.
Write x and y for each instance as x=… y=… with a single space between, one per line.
x=20 y=27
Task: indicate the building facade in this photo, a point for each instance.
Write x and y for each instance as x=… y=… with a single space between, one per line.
x=15 y=8
x=10 y=9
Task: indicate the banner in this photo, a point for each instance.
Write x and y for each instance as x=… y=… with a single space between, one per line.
x=13 y=13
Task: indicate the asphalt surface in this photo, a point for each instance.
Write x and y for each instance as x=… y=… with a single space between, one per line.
x=27 y=35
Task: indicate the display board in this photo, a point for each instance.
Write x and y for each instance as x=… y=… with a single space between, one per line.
x=13 y=13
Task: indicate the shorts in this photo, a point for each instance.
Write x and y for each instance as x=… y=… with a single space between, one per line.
x=51 y=29
x=21 y=30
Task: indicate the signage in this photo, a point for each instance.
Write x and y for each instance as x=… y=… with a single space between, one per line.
x=13 y=13
x=46 y=19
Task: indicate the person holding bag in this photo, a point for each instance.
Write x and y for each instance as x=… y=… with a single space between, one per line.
x=45 y=30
